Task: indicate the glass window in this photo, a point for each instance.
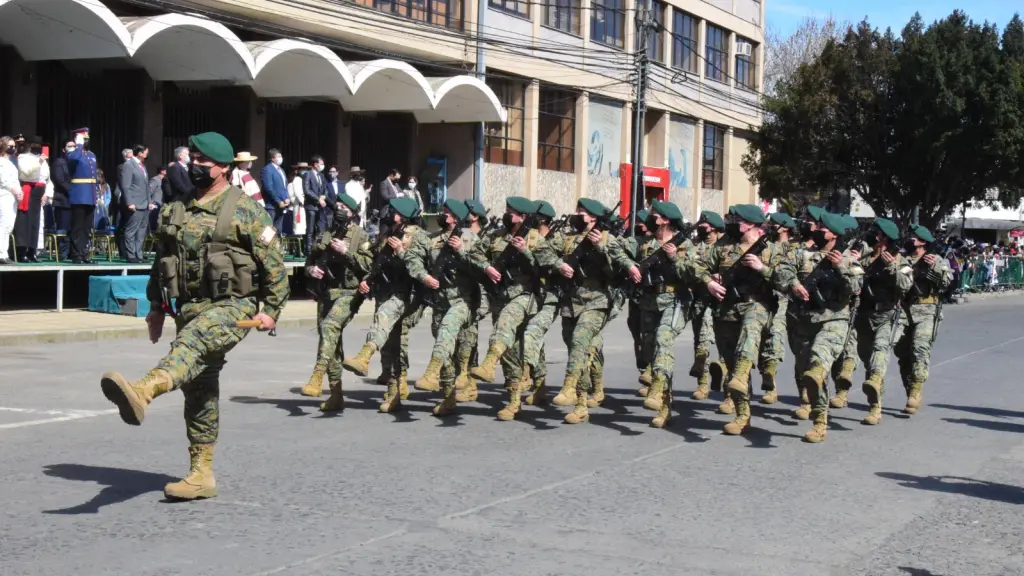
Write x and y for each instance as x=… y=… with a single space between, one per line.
x=717 y=54
x=563 y=15
x=504 y=141
x=655 y=43
x=556 y=145
x=518 y=7
x=685 y=29
x=607 y=22
x=714 y=157
x=746 y=64
x=447 y=13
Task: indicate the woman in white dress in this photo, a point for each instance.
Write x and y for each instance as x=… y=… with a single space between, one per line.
x=297 y=198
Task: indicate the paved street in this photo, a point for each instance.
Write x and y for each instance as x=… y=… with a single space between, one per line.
x=366 y=493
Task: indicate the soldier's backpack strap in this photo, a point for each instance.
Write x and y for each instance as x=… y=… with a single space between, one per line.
x=225 y=215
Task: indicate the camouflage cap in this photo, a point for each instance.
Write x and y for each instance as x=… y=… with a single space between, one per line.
x=476 y=207
x=544 y=208
x=783 y=219
x=592 y=206
x=748 y=213
x=668 y=210
x=888 y=227
x=348 y=201
x=457 y=208
x=922 y=233
x=214 y=146
x=834 y=222
x=407 y=207
x=712 y=218
x=520 y=204
x=815 y=213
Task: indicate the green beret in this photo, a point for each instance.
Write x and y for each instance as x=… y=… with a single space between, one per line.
x=407 y=207
x=458 y=208
x=851 y=222
x=834 y=222
x=592 y=206
x=520 y=204
x=748 y=212
x=815 y=213
x=641 y=215
x=544 y=208
x=476 y=207
x=668 y=210
x=922 y=233
x=783 y=219
x=214 y=146
x=712 y=218
x=348 y=201
x=888 y=227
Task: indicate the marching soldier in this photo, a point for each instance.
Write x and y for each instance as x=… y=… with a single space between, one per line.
x=887 y=278
x=743 y=265
x=393 y=293
x=710 y=228
x=534 y=361
x=630 y=245
x=922 y=309
x=466 y=348
x=337 y=262
x=454 y=267
x=846 y=363
x=773 y=350
x=208 y=253
x=819 y=316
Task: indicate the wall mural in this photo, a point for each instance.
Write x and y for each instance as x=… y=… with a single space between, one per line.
x=680 y=153
x=604 y=146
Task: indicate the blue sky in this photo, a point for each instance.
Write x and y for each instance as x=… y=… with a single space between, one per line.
x=786 y=15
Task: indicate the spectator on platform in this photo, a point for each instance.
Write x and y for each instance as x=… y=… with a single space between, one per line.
x=389 y=189
x=177 y=185
x=61 y=179
x=276 y=190
x=118 y=207
x=33 y=173
x=297 y=198
x=314 y=190
x=331 y=195
x=134 y=182
x=10 y=196
x=101 y=218
x=354 y=188
x=241 y=177
x=156 y=196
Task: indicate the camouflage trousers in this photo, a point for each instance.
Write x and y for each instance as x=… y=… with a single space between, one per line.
x=333 y=317
x=816 y=344
x=633 y=323
x=740 y=340
x=659 y=330
x=392 y=320
x=205 y=334
x=581 y=336
x=448 y=321
x=773 y=351
x=873 y=332
x=533 y=340
x=703 y=327
x=850 y=352
x=914 y=347
x=509 y=325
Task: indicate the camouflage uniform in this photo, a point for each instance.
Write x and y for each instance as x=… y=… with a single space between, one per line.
x=914 y=348
x=773 y=349
x=740 y=323
x=337 y=305
x=534 y=360
x=630 y=247
x=702 y=324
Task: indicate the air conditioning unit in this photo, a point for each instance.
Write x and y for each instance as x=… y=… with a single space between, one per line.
x=744 y=48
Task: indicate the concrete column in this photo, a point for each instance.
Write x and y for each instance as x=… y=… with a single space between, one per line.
x=702 y=44
x=731 y=64
x=537 y=17
x=153 y=123
x=581 y=141
x=629 y=26
x=344 y=142
x=531 y=137
x=24 y=86
x=698 y=165
x=666 y=37
x=729 y=196
x=626 y=142
x=585 y=14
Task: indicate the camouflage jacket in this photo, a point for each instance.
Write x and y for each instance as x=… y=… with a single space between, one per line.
x=522 y=272
x=421 y=258
x=929 y=282
x=590 y=288
x=677 y=276
x=395 y=279
x=754 y=288
x=885 y=285
x=349 y=268
x=837 y=297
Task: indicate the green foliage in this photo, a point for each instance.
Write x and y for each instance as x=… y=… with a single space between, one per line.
x=928 y=120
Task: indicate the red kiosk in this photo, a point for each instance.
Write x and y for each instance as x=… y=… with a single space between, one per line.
x=655 y=185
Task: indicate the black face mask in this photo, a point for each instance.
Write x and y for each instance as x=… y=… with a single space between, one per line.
x=651 y=222
x=507 y=222
x=818 y=236
x=341 y=220
x=442 y=220
x=909 y=246
x=577 y=222
x=200 y=176
x=871 y=241
x=774 y=234
x=732 y=229
x=703 y=233
x=10 y=150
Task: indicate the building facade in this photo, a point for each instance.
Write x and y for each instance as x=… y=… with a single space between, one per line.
x=394 y=84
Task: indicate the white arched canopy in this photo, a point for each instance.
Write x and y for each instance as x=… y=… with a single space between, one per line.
x=462 y=99
x=389 y=85
x=293 y=68
x=179 y=47
x=62 y=29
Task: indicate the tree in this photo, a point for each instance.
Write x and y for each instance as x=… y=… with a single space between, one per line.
x=927 y=120
x=785 y=54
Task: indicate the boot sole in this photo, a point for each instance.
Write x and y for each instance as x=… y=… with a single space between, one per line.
x=426 y=388
x=482 y=378
x=768 y=400
x=311 y=393
x=650 y=404
x=870 y=392
x=116 y=389
x=566 y=401
x=659 y=423
x=198 y=495
x=354 y=369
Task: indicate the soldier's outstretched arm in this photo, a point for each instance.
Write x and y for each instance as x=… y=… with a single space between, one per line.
x=266 y=249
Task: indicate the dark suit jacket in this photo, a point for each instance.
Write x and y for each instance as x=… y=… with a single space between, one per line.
x=388 y=191
x=134 y=185
x=314 y=186
x=176 y=184
x=61 y=181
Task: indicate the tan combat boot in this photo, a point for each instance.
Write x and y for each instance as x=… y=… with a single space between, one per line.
x=392 y=398
x=874 y=416
x=659 y=383
x=447 y=405
x=382 y=380
x=645 y=377
x=539 y=396
x=872 y=388
x=132 y=398
x=728 y=406
x=595 y=399
x=769 y=384
x=717 y=370
x=700 y=358
x=335 y=402
x=200 y=482
x=403 y=385
x=485 y=371
x=360 y=363
x=579 y=413
x=913 y=397
x=463 y=379
x=741 y=423
x=803 y=412
x=643 y=391
x=740 y=377
x=844 y=380
x=431 y=379
x=567 y=395
x=468 y=394
x=703 y=388
x=515 y=402
x=525 y=382
x=818 y=432
x=665 y=413
x=315 y=386
x=813 y=381
x=841 y=399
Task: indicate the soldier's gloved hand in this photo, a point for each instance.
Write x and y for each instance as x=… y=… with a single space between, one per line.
x=887 y=258
x=670 y=250
x=634 y=275
x=835 y=257
x=566 y=270
x=801 y=292
x=431 y=282
x=519 y=243
x=456 y=243
x=594 y=236
x=155 y=321
x=716 y=290
x=753 y=262
x=395 y=243
x=315 y=272
x=266 y=322
x=929 y=259
x=364 y=288
x=79 y=140
x=855 y=254
x=340 y=246
x=493 y=274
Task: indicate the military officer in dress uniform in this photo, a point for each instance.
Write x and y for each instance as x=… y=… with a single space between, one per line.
x=81 y=195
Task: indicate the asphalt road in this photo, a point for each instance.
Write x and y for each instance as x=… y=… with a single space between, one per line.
x=367 y=493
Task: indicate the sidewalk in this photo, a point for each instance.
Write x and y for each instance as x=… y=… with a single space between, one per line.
x=46 y=326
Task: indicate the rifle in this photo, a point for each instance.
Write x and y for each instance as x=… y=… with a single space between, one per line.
x=320 y=288
x=657 y=260
x=823 y=274
x=730 y=275
x=583 y=249
x=385 y=257
x=444 y=267
x=510 y=255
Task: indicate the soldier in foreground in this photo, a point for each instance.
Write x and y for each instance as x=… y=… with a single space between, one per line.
x=630 y=245
x=336 y=264
x=710 y=228
x=468 y=340
x=209 y=249
x=773 y=350
x=538 y=325
x=922 y=309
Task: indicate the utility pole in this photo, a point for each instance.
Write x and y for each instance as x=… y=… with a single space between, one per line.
x=644 y=23
x=481 y=73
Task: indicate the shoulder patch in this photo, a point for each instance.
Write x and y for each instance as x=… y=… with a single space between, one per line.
x=906 y=270
x=364 y=246
x=267 y=236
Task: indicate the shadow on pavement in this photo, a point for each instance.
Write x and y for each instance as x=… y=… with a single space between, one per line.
x=988 y=424
x=917 y=571
x=120 y=485
x=958 y=485
x=982 y=410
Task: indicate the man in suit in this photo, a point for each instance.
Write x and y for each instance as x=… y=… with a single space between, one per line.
x=61 y=179
x=275 y=188
x=334 y=188
x=314 y=188
x=81 y=196
x=156 y=196
x=389 y=189
x=177 y=185
x=117 y=207
x=135 y=197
